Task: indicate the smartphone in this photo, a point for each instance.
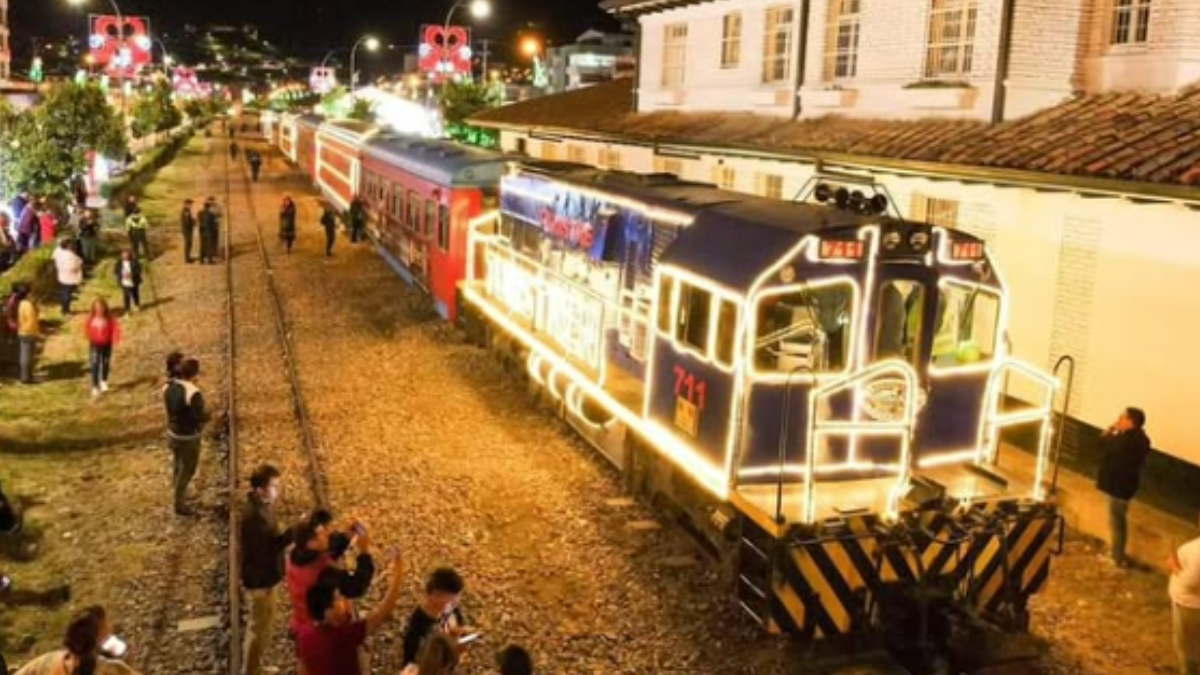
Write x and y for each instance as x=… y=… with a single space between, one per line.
x=468 y=639
x=358 y=530
x=114 y=646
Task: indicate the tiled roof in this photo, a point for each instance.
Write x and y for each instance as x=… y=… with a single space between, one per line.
x=1123 y=136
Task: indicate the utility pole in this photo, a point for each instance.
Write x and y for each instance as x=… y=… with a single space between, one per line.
x=485 y=53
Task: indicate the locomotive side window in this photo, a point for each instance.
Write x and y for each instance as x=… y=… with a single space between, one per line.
x=804 y=329
x=968 y=326
x=414 y=211
x=430 y=216
x=444 y=228
x=695 y=310
x=665 y=288
x=900 y=320
x=727 y=320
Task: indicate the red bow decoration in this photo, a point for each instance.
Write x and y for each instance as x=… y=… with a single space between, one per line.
x=445 y=52
x=109 y=37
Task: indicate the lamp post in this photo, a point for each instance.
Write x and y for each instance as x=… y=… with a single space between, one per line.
x=480 y=9
x=120 y=43
x=166 y=57
x=372 y=44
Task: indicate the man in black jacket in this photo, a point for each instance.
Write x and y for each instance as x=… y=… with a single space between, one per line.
x=1123 y=451
x=262 y=550
x=187 y=223
x=186 y=417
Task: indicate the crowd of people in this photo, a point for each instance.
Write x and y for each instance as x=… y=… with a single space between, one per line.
x=327 y=571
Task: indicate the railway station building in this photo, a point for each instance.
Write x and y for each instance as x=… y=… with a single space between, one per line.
x=1065 y=133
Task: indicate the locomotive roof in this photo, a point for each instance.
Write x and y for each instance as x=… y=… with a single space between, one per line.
x=735 y=242
x=442 y=162
x=661 y=190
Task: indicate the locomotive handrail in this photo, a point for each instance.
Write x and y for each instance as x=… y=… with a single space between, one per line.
x=1064 y=360
x=995 y=422
x=903 y=430
x=784 y=430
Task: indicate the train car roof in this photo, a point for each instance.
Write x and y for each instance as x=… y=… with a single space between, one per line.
x=310 y=119
x=735 y=242
x=442 y=162
x=660 y=190
x=351 y=131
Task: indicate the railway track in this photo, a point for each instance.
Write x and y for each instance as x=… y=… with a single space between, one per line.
x=235 y=176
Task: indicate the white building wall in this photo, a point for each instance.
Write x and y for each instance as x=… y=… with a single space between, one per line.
x=708 y=86
x=1109 y=281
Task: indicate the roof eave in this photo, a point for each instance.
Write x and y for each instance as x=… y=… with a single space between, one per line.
x=966 y=173
x=632 y=9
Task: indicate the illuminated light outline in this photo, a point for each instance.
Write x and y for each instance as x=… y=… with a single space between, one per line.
x=801 y=471
x=650 y=211
x=717 y=293
x=686 y=458
x=886 y=368
x=753 y=373
x=989 y=432
x=948 y=458
x=999 y=349
x=945 y=259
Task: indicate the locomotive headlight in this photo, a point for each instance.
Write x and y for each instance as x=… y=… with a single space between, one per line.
x=919 y=241
x=892 y=240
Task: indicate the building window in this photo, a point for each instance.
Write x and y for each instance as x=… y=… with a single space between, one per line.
x=669 y=165
x=777 y=44
x=934 y=211
x=731 y=41
x=577 y=154
x=610 y=159
x=1130 y=22
x=841 y=44
x=674 y=55
x=549 y=151
x=522 y=146
x=951 y=38
x=724 y=177
x=770 y=185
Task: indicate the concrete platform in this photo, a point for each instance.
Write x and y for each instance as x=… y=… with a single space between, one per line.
x=1153 y=534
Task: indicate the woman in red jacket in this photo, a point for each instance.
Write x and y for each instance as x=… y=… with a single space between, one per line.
x=103 y=333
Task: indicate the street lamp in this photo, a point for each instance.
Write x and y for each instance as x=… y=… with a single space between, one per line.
x=372 y=45
x=480 y=9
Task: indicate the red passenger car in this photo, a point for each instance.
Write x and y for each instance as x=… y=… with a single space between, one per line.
x=306 y=143
x=338 y=159
x=422 y=195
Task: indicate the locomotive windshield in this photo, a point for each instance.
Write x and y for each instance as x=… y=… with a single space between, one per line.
x=901 y=308
x=805 y=329
x=968 y=320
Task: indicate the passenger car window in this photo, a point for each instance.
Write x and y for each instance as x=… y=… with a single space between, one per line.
x=804 y=329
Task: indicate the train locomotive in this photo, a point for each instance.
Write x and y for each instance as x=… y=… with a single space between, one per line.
x=818 y=391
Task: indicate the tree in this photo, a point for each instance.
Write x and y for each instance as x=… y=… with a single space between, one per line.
x=48 y=145
x=363 y=111
x=458 y=102
x=155 y=111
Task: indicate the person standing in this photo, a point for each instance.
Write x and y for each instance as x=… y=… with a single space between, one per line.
x=47 y=223
x=437 y=613
x=8 y=246
x=255 y=164
x=129 y=277
x=329 y=223
x=263 y=545
x=233 y=150
x=330 y=644
x=210 y=231
x=136 y=225
x=103 y=332
x=69 y=267
x=1184 y=589
x=358 y=220
x=130 y=205
x=83 y=650
x=186 y=417
x=29 y=329
x=1123 y=451
x=287 y=222
x=187 y=222
x=27 y=228
x=89 y=236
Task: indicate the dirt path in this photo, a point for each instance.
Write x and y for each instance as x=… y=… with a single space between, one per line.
x=96 y=474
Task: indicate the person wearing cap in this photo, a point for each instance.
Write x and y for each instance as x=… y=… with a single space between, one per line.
x=187 y=223
x=210 y=230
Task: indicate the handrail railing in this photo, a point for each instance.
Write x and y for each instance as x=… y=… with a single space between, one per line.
x=1065 y=360
x=994 y=421
x=902 y=429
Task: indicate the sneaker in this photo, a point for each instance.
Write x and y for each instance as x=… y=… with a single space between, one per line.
x=95 y=392
x=104 y=386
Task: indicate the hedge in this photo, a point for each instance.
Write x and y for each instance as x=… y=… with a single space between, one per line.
x=149 y=162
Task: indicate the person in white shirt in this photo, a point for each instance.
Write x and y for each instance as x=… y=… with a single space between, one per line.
x=70 y=273
x=1185 y=600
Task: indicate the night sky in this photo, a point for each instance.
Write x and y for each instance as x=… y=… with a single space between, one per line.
x=309 y=27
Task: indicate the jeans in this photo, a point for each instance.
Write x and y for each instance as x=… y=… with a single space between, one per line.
x=1187 y=638
x=101 y=361
x=330 y=239
x=66 y=293
x=138 y=244
x=187 y=457
x=132 y=296
x=259 y=629
x=27 y=345
x=1118 y=525
x=188 y=236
